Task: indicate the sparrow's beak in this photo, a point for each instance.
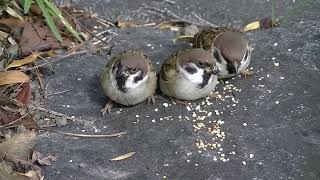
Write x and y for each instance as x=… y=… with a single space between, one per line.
x=208 y=71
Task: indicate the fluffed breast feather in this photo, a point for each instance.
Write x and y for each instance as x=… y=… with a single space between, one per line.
x=169 y=68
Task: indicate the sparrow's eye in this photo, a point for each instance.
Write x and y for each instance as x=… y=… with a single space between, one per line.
x=133 y=70
x=200 y=64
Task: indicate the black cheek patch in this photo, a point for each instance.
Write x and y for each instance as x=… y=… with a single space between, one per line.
x=138 y=78
x=205 y=80
x=191 y=70
x=230 y=67
x=216 y=55
x=121 y=82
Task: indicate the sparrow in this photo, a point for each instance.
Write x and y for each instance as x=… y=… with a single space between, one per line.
x=128 y=79
x=189 y=74
x=229 y=47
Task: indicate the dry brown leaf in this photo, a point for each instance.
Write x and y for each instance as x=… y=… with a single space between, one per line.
x=19 y=145
x=27 y=60
x=24 y=96
x=3 y=35
x=41 y=159
x=125 y=24
x=12 y=77
x=12 y=22
x=122 y=157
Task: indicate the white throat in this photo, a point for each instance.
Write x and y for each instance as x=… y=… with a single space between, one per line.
x=131 y=84
x=196 y=78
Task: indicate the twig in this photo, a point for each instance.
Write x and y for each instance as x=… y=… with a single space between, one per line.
x=86 y=135
x=20 y=118
x=54 y=113
x=203 y=20
x=56 y=93
x=169 y=2
x=165 y=11
x=63 y=57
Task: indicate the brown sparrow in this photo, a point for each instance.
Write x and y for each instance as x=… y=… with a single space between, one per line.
x=189 y=74
x=229 y=47
x=129 y=79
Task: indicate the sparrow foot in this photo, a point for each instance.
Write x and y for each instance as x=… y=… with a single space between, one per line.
x=107 y=108
x=247 y=73
x=151 y=100
x=178 y=101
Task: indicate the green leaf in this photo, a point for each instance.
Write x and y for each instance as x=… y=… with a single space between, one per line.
x=26 y=6
x=58 y=13
x=49 y=20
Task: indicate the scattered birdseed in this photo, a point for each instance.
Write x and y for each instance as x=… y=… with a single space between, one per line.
x=289 y=50
x=68 y=106
x=156 y=109
x=153 y=120
x=165 y=105
x=137 y=116
x=148 y=45
x=281 y=77
x=276 y=64
x=217 y=112
x=188 y=108
x=273 y=58
x=277 y=102
x=70 y=160
x=275 y=44
x=268 y=75
x=244 y=163
x=209 y=114
x=164 y=177
x=166 y=165
x=244 y=124
x=251 y=156
x=196 y=165
x=188 y=160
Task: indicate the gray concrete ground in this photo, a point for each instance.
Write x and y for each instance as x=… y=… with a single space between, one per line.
x=273 y=132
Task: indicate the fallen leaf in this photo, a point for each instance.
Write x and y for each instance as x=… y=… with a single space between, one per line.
x=252 y=26
x=13 y=13
x=3 y=35
x=38 y=37
x=24 y=96
x=27 y=60
x=41 y=159
x=188 y=39
x=19 y=145
x=12 y=22
x=125 y=24
x=264 y=23
x=173 y=25
x=12 y=77
x=122 y=157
